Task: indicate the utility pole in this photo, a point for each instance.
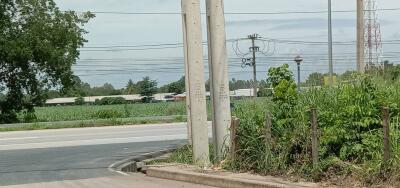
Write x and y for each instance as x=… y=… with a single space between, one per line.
x=360 y=36
x=196 y=82
x=330 y=53
x=254 y=49
x=219 y=77
x=187 y=86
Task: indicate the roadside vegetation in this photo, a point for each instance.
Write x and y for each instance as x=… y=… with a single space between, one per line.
x=57 y=117
x=350 y=132
x=350 y=128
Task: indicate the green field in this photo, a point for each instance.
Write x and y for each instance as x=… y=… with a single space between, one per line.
x=90 y=112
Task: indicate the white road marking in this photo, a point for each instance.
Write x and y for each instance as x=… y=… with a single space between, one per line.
x=111 y=169
x=23 y=138
x=87 y=142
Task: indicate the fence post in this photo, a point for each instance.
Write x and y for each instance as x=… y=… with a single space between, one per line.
x=268 y=134
x=234 y=125
x=386 y=133
x=314 y=134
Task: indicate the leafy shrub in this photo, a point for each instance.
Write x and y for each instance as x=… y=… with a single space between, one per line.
x=29 y=117
x=79 y=101
x=110 y=101
x=349 y=118
x=107 y=114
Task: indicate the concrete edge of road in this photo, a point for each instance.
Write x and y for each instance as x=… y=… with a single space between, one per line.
x=133 y=164
x=210 y=180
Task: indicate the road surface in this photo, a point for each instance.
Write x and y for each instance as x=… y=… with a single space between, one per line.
x=32 y=157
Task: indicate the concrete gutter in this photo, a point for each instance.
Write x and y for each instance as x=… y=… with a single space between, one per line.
x=135 y=164
x=216 y=180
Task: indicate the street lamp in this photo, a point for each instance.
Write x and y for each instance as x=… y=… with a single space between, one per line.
x=298 y=59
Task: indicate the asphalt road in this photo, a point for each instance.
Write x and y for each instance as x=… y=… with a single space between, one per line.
x=74 y=154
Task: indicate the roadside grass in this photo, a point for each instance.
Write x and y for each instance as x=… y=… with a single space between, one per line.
x=58 y=117
x=182 y=155
x=91 y=123
x=88 y=112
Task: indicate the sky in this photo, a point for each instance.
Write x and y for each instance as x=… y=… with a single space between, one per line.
x=166 y=65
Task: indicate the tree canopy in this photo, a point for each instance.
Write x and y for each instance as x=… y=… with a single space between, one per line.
x=38 y=46
x=147 y=87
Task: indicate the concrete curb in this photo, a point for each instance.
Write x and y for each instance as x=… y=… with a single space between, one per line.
x=213 y=180
x=133 y=164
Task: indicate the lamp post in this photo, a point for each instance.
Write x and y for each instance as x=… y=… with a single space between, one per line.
x=298 y=59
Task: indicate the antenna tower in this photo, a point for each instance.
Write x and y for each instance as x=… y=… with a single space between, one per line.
x=373 y=37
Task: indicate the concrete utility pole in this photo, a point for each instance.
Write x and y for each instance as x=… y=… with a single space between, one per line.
x=187 y=88
x=254 y=49
x=219 y=76
x=195 y=75
x=360 y=36
x=330 y=53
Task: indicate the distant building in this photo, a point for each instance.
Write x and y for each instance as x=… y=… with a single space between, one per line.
x=91 y=99
x=159 y=97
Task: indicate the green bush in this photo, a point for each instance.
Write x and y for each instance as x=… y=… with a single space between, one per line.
x=107 y=114
x=110 y=101
x=79 y=101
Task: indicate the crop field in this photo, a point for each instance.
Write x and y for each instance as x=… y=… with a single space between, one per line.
x=89 y=112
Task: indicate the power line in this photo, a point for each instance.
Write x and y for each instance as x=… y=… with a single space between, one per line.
x=234 y=13
x=117 y=48
x=182 y=72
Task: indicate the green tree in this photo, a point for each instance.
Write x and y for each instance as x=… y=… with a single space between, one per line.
x=315 y=79
x=282 y=81
x=38 y=46
x=177 y=87
x=147 y=87
x=130 y=88
x=277 y=74
x=240 y=84
x=348 y=76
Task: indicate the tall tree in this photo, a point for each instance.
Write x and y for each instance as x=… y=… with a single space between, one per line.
x=315 y=79
x=147 y=87
x=38 y=46
x=130 y=88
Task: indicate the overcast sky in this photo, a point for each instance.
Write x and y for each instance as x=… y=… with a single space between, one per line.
x=165 y=65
